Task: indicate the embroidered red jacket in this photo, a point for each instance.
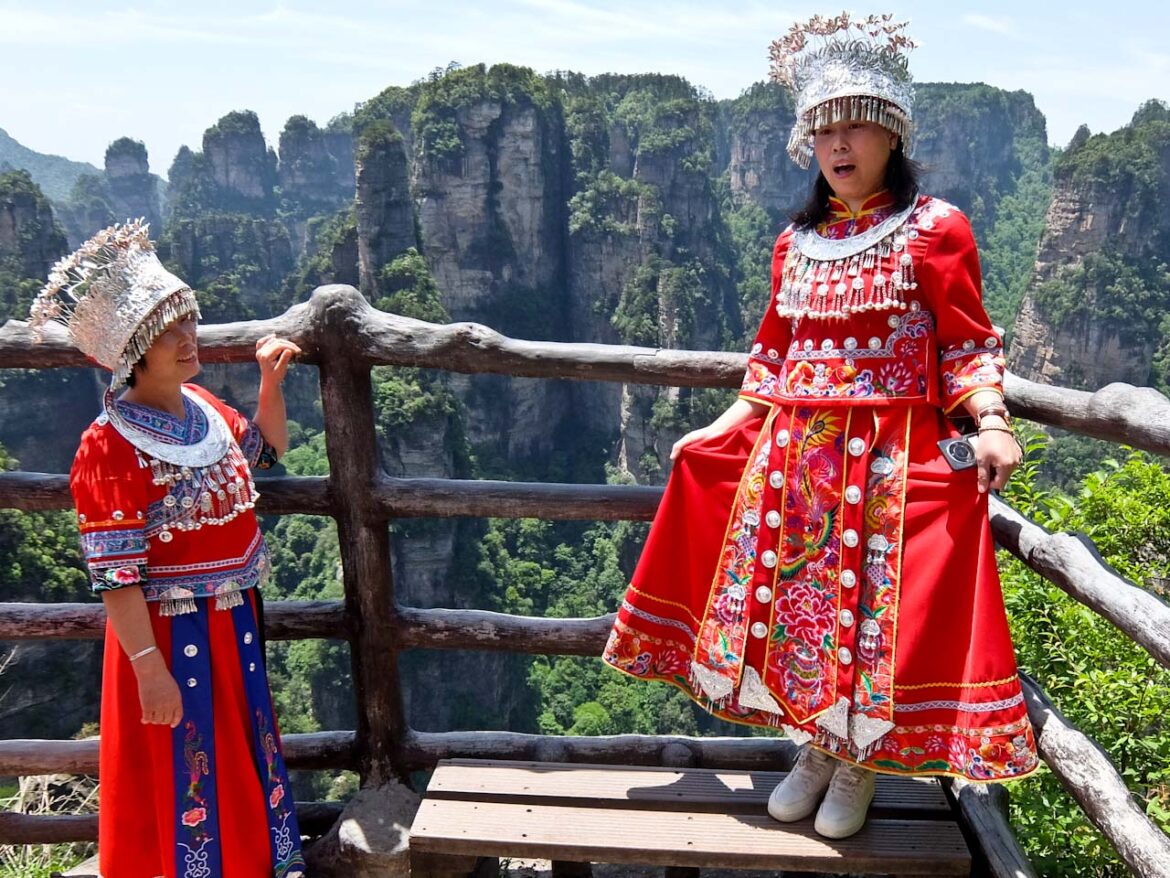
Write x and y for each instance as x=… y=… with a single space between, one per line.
x=938 y=350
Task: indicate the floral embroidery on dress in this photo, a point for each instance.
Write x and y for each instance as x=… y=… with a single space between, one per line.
x=800 y=647
x=289 y=861
x=719 y=648
x=195 y=805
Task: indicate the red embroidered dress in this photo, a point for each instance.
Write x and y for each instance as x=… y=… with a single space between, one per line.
x=823 y=569
x=210 y=798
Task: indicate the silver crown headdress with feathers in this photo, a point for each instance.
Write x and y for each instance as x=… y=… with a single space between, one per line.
x=845 y=68
x=114 y=297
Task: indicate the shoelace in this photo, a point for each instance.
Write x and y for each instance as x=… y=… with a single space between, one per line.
x=847 y=781
x=804 y=769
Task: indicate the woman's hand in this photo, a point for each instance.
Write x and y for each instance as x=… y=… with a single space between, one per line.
x=996 y=457
x=708 y=432
x=738 y=412
x=162 y=703
x=275 y=355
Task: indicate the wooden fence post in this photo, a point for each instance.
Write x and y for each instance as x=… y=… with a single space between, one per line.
x=362 y=535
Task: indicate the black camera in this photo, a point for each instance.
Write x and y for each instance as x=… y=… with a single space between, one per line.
x=959 y=451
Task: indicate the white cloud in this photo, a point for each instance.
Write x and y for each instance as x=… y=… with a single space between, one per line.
x=1003 y=25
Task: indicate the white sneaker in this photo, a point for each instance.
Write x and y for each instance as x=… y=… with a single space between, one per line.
x=843 y=811
x=797 y=795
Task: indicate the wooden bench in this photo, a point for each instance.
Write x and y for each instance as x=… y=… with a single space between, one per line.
x=686 y=817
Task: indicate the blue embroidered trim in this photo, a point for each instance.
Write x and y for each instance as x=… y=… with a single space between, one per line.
x=258 y=453
x=284 y=833
x=164 y=426
x=197 y=846
x=212 y=578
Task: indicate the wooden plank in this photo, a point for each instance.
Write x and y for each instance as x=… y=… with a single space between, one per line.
x=703 y=789
x=667 y=838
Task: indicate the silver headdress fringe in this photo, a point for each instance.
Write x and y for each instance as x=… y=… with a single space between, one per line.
x=114 y=297
x=853 y=69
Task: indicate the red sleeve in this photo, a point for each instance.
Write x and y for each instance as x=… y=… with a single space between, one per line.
x=761 y=382
x=970 y=349
x=110 y=493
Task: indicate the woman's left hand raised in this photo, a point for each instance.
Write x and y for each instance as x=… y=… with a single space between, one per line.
x=275 y=355
x=997 y=454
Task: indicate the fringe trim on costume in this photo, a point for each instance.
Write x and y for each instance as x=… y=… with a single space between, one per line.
x=866 y=734
x=842 y=731
x=229 y=600
x=753 y=693
x=863 y=107
x=835 y=720
x=177 y=602
x=836 y=288
x=181 y=303
x=716 y=687
x=798 y=736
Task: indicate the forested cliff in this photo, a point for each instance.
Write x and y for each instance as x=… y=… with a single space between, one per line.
x=631 y=209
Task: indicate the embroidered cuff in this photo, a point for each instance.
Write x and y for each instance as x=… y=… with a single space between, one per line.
x=964 y=372
x=112 y=578
x=258 y=453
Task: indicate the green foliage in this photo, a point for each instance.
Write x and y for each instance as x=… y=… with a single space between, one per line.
x=1008 y=248
x=39 y=241
x=1127 y=295
x=238 y=123
x=1129 y=164
x=328 y=237
x=376 y=135
x=608 y=205
x=1103 y=682
x=39 y=553
x=753 y=232
x=410 y=290
x=394 y=105
x=235 y=260
x=127 y=148
x=447 y=92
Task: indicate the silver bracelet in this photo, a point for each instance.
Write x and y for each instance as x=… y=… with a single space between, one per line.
x=143 y=652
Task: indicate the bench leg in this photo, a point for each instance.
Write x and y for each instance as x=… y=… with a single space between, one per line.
x=567 y=869
x=681 y=872
x=433 y=865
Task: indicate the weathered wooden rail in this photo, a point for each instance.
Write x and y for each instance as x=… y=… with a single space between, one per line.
x=345 y=337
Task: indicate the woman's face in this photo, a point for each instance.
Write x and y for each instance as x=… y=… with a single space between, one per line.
x=174 y=356
x=853 y=155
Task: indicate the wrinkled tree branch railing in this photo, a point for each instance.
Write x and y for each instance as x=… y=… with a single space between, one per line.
x=345 y=337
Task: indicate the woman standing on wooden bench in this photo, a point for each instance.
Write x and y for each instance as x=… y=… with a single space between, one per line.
x=822 y=560
x=193 y=783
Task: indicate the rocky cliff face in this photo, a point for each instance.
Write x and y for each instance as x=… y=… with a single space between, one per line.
x=1095 y=309
x=488 y=184
x=30 y=238
x=759 y=167
x=133 y=190
x=384 y=208
x=241 y=164
x=970 y=141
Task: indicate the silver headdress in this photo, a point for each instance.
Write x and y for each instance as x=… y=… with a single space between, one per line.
x=114 y=297
x=845 y=68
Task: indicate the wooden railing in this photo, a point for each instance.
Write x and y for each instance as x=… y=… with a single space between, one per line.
x=345 y=337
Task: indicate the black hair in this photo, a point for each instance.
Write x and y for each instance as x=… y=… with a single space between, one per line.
x=132 y=379
x=902 y=175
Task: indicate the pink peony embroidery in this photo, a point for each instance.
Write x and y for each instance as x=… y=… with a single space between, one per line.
x=805 y=613
x=276 y=795
x=126 y=576
x=194 y=817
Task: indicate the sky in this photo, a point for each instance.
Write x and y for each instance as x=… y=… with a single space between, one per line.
x=76 y=76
